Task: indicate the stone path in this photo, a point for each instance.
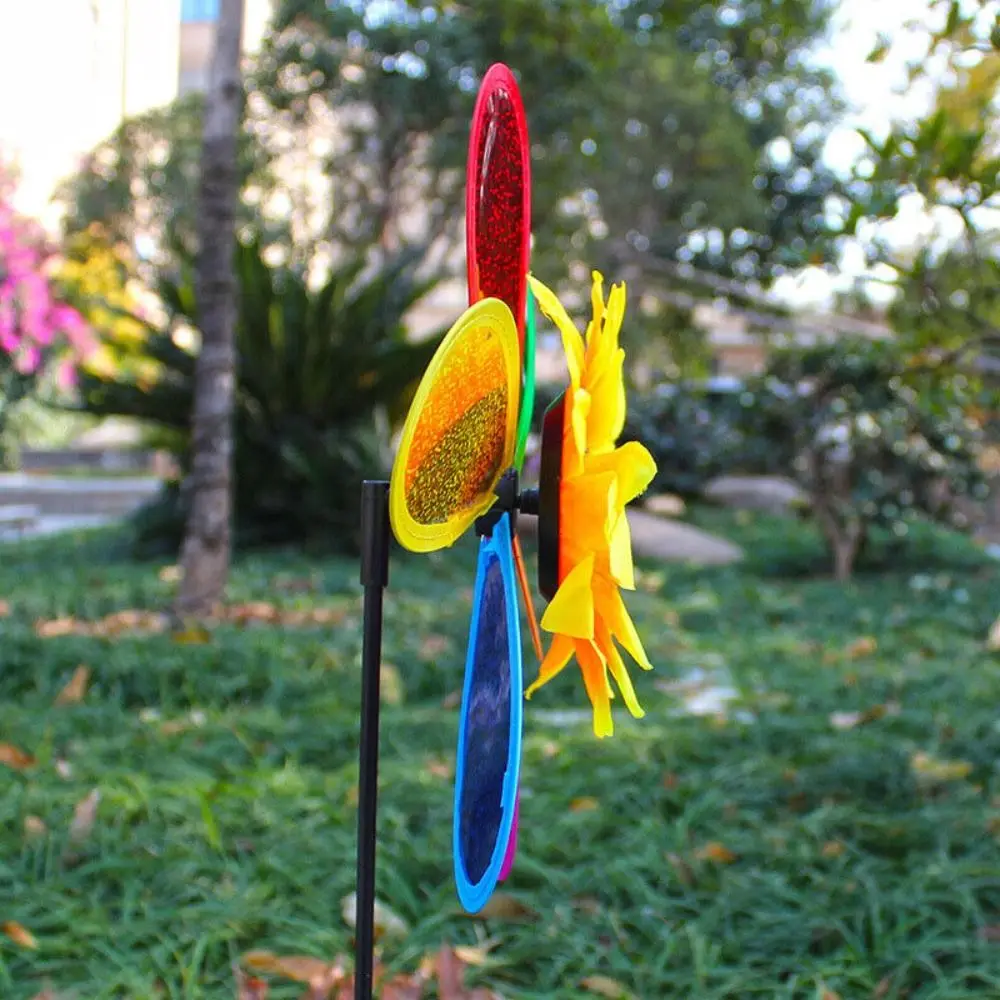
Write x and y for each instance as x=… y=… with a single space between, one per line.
x=673 y=541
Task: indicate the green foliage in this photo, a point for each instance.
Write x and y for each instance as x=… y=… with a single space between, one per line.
x=226 y=769
x=320 y=375
x=650 y=123
x=692 y=433
x=138 y=184
x=874 y=437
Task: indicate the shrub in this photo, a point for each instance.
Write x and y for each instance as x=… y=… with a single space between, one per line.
x=875 y=437
x=691 y=430
x=321 y=374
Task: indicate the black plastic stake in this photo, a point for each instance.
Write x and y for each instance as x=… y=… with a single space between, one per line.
x=374 y=579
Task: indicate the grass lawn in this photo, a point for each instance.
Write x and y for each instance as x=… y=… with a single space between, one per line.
x=835 y=833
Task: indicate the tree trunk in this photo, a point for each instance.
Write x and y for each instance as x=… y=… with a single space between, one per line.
x=845 y=537
x=205 y=551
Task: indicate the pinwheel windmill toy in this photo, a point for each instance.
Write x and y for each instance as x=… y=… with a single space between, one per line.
x=457 y=470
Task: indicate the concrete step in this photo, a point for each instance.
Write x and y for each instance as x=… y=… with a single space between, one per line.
x=77 y=496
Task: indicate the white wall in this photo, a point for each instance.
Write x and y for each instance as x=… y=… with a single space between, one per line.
x=69 y=70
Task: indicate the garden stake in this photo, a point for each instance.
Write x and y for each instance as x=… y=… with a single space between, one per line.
x=374 y=579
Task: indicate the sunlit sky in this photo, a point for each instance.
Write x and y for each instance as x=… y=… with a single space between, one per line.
x=877 y=93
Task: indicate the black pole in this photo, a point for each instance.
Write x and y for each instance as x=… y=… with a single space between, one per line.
x=374 y=579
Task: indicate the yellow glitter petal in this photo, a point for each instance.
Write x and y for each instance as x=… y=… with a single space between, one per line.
x=460 y=431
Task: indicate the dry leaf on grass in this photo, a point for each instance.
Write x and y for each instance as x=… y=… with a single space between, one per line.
x=584 y=804
x=993 y=639
x=684 y=872
x=443 y=769
x=434 y=646
x=4 y=609
x=825 y=993
x=719 y=853
x=84 y=816
x=450 y=971
x=504 y=906
x=861 y=647
x=14 y=758
x=882 y=989
x=34 y=826
x=851 y=720
x=387 y=923
x=990 y=933
x=932 y=769
x=299 y=968
x=249 y=987
x=19 y=934
x=833 y=849
x=76 y=688
x=391 y=682
x=604 y=986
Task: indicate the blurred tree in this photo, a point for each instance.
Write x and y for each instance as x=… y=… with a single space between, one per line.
x=136 y=185
x=99 y=279
x=207 y=538
x=874 y=437
x=683 y=131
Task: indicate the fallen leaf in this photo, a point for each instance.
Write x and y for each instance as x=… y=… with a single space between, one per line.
x=298 y=968
x=993 y=639
x=604 y=986
x=719 y=853
x=990 y=933
x=833 y=849
x=475 y=955
x=249 y=987
x=451 y=978
x=34 y=826
x=434 y=646
x=404 y=987
x=84 y=815
x=861 y=647
x=504 y=906
x=882 y=989
x=684 y=872
x=19 y=934
x=825 y=993
x=54 y=627
x=64 y=769
x=391 y=681
x=933 y=769
x=452 y=700
x=192 y=635
x=387 y=923
x=443 y=769
x=14 y=758
x=170 y=574
x=585 y=804
x=76 y=688
x=4 y=609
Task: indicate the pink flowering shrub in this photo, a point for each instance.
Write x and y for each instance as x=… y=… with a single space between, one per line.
x=38 y=331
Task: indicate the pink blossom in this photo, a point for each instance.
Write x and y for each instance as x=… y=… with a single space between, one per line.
x=34 y=323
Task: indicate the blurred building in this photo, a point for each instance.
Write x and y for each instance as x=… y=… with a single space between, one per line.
x=72 y=70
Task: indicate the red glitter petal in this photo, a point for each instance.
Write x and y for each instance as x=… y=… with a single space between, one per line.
x=498 y=196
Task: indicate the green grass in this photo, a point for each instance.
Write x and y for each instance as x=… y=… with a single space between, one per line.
x=851 y=874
